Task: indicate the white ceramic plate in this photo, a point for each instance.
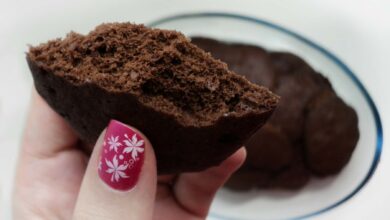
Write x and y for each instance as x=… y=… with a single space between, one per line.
x=319 y=195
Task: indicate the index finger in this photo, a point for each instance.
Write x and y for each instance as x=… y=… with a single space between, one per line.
x=46 y=132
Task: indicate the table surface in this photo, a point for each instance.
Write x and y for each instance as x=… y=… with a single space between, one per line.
x=358 y=32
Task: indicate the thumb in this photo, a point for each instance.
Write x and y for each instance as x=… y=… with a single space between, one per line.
x=120 y=181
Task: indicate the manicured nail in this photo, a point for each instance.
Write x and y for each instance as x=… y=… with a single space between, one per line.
x=122 y=156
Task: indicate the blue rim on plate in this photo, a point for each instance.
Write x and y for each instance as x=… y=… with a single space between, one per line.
x=328 y=54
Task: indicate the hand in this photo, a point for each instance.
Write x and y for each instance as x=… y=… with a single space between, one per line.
x=56 y=180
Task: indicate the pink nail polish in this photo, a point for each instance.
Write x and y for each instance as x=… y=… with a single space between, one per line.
x=122 y=156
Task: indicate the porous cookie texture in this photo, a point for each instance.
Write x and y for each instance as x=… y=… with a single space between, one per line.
x=194 y=111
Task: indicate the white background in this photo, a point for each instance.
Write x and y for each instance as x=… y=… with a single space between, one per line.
x=358 y=32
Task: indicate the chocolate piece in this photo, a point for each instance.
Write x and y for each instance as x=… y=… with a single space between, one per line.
x=297 y=83
x=331 y=134
x=194 y=111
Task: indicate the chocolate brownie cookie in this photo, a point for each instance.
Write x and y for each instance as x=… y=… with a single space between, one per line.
x=193 y=109
x=331 y=134
x=296 y=83
x=293 y=178
x=269 y=149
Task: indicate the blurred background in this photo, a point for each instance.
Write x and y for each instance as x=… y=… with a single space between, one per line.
x=358 y=32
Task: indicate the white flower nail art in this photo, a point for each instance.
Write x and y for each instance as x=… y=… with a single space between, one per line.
x=114 y=143
x=133 y=146
x=116 y=169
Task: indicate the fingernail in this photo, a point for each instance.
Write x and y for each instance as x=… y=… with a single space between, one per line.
x=122 y=156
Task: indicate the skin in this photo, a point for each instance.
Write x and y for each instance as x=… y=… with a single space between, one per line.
x=56 y=180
